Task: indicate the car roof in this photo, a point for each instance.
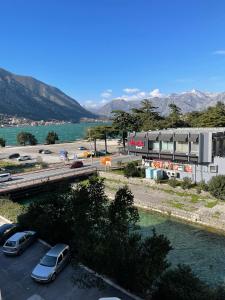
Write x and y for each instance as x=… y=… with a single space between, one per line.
x=58 y=248
x=15 y=237
x=5 y=227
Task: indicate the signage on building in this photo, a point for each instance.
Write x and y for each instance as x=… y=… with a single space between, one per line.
x=160 y=164
x=139 y=144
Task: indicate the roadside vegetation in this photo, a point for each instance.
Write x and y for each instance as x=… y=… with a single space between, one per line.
x=9 y=209
x=105 y=236
x=26 y=138
x=51 y=138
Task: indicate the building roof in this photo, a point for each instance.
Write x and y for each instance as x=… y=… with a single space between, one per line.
x=186 y=130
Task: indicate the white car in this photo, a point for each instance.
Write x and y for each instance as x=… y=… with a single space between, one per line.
x=24 y=157
x=5 y=177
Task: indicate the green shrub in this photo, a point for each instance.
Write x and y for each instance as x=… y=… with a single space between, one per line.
x=131 y=170
x=186 y=184
x=217 y=186
x=173 y=182
x=203 y=186
x=9 y=209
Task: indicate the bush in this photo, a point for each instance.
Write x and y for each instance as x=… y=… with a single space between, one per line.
x=186 y=184
x=173 y=182
x=24 y=138
x=51 y=138
x=132 y=170
x=203 y=186
x=182 y=284
x=2 y=142
x=10 y=209
x=217 y=186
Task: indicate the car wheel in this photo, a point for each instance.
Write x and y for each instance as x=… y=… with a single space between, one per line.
x=20 y=252
x=53 y=277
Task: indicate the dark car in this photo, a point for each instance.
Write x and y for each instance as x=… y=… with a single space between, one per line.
x=46 y=151
x=6 y=230
x=77 y=164
x=82 y=148
x=14 y=155
x=40 y=150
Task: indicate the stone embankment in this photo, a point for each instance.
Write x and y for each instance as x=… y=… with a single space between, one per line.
x=187 y=205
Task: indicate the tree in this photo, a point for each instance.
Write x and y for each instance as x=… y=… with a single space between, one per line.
x=2 y=142
x=24 y=138
x=148 y=115
x=52 y=137
x=174 y=118
x=181 y=284
x=124 y=122
x=216 y=186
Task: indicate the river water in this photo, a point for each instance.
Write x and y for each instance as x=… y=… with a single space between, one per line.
x=203 y=251
x=66 y=132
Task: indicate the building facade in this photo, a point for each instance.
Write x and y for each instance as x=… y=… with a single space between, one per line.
x=197 y=153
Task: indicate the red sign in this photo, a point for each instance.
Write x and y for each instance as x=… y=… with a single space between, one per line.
x=138 y=143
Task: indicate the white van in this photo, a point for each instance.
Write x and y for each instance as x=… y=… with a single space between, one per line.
x=5 y=177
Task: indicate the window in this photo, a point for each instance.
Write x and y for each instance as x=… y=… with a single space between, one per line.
x=154 y=145
x=65 y=252
x=213 y=169
x=194 y=147
x=167 y=146
x=182 y=147
x=59 y=259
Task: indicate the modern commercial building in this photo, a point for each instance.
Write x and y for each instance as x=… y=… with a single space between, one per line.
x=197 y=153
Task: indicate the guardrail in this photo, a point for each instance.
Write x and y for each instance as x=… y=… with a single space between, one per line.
x=48 y=178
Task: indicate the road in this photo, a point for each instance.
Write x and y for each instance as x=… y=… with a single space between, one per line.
x=62 y=170
x=16 y=283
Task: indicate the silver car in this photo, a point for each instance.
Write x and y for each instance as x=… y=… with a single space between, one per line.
x=18 y=242
x=52 y=263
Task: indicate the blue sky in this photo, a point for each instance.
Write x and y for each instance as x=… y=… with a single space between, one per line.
x=96 y=50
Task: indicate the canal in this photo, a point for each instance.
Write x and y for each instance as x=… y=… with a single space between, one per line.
x=203 y=251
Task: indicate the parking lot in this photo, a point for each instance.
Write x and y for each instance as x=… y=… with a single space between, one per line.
x=16 y=283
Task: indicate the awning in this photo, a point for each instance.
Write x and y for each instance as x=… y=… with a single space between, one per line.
x=141 y=135
x=153 y=136
x=193 y=137
x=165 y=137
x=181 y=137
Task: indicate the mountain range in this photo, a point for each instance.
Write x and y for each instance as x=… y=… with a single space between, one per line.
x=188 y=101
x=27 y=97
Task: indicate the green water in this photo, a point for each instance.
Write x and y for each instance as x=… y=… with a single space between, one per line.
x=66 y=132
x=203 y=251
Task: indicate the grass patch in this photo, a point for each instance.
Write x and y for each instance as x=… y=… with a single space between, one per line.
x=10 y=209
x=216 y=215
x=177 y=205
x=211 y=204
x=117 y=171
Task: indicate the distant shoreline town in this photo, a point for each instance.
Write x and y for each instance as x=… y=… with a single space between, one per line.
x=14 y=121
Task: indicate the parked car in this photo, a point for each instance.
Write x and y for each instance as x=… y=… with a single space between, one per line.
x=18 y=242
x=6 y=230
x=5 y=177
x=24 y=157
x=13 y=155
x=40 y=150
x=103 y=152
x=82 y=148
x=77 y=164
x=46 y=151
x=52 y=263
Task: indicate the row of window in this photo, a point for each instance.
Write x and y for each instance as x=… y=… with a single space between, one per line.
x=182 y=147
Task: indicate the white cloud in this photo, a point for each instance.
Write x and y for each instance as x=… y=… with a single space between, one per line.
x=130 y=90
x=219 y=52
x=90 y=104
x=106 y=93
x=155 y=93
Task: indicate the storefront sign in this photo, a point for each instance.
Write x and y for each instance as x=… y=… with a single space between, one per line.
x=138 y=144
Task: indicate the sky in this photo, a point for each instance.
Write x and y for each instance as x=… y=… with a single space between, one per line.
x=98 y=50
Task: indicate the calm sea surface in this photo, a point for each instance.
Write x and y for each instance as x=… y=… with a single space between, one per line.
x=66 y=132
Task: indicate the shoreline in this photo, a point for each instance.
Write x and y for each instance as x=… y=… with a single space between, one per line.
x=151 y=197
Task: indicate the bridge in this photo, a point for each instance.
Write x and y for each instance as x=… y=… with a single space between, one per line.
x=27 y=183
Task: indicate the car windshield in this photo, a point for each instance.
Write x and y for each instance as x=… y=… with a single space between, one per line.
x=10 y=244
x=48 y=261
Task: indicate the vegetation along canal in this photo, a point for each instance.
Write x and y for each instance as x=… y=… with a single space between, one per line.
x=203 y=251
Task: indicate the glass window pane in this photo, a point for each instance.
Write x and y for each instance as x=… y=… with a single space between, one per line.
x=182 y=147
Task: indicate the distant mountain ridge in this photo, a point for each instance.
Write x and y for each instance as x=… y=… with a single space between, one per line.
x=188 y=101
x=30 y=98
